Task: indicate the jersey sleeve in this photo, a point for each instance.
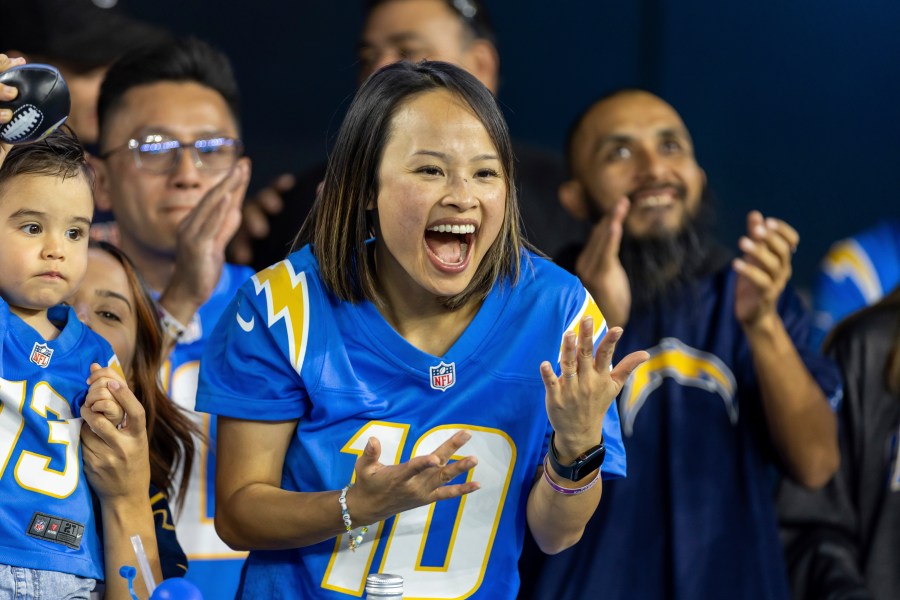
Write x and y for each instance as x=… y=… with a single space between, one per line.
x=797 y=323
x=246 y=372
x=614 y=465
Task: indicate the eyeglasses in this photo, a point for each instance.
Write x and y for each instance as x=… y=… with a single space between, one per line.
x=161 y=153
x=474 y=17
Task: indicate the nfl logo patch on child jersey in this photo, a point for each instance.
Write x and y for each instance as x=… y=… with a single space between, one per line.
x=443 y=376
x=40 y=355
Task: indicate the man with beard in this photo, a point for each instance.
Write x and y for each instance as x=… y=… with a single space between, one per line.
x=729 y=391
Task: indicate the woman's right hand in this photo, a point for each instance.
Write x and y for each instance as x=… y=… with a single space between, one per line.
x=382 y=491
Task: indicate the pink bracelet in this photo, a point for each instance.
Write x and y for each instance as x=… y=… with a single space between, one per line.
x=564 y=490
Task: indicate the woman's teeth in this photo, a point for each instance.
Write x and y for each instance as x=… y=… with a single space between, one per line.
x=460 y=229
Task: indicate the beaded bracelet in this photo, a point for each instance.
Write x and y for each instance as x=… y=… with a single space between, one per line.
x=353 y=541
x=564 y=490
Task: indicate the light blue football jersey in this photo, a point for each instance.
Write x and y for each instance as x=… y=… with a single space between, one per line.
x=855 y=273
x=288 y=349
x=212 y=565
x=46 y=518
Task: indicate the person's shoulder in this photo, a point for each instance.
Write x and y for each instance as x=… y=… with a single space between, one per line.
x=298 y=273
x=88 y=342
x=300 y=261
x=873 y=242
x=883 y=233
x=541 y=278
x=545 y=270
x=868 y=327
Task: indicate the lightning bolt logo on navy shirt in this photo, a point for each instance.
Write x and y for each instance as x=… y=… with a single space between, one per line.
x=688 y=366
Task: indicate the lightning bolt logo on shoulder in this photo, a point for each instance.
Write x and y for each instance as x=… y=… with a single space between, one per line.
x=287 y=299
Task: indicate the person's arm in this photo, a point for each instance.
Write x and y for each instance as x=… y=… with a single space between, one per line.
x=577 y=403
x=117 y=465
x=250 y=457
x=801 y=423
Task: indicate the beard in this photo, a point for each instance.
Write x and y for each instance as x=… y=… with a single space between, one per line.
x=661 y=265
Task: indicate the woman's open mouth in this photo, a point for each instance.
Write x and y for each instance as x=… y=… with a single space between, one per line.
x=450 y=246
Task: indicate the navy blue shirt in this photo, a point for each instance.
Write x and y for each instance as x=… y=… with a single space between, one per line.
x=695 y=517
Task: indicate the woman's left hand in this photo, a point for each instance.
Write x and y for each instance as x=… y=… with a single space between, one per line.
x=117 y=461
x=578 y=399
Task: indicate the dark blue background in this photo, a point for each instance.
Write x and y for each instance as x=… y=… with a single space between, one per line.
x=793 y=105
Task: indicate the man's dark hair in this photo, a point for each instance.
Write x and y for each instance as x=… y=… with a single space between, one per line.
x=76 y=34
x=57 y=155
x=187 y=60
x=472 y=14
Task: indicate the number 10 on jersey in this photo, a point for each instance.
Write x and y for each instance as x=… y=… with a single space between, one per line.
x=474 y=529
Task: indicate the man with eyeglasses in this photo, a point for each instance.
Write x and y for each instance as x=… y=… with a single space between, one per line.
x=454 y=31
x=172 y=171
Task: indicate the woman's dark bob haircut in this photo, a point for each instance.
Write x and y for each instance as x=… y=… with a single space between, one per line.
x=338 y=226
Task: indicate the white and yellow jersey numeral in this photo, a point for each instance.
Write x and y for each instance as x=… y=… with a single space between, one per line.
x=32 y=470
x=475 y=525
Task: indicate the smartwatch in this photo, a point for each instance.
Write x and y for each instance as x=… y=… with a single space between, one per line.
x=583 y=465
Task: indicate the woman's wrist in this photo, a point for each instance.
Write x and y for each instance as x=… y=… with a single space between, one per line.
x=569 y=448
x=126 y=509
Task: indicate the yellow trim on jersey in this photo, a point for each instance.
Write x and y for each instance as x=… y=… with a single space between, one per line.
x=589 y=308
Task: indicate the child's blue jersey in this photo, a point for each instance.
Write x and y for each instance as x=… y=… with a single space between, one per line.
x=212 y=565
x=288 y=349
x=46 y=517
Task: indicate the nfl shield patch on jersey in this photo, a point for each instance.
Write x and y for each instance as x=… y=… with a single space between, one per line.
x=40 y=355
x=443 y=376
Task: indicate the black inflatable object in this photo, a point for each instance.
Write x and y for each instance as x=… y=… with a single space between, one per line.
x=41 y=106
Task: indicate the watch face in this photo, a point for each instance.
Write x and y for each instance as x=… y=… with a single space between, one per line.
x=583 y=465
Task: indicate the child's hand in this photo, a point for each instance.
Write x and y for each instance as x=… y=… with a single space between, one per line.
x=99 y=397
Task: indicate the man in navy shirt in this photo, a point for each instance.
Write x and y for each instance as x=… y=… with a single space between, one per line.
x=729 y=396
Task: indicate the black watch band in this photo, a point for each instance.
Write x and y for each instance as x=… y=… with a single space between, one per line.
x=583 y=465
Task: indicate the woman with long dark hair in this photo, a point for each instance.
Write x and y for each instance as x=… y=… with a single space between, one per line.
x=155 y=449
